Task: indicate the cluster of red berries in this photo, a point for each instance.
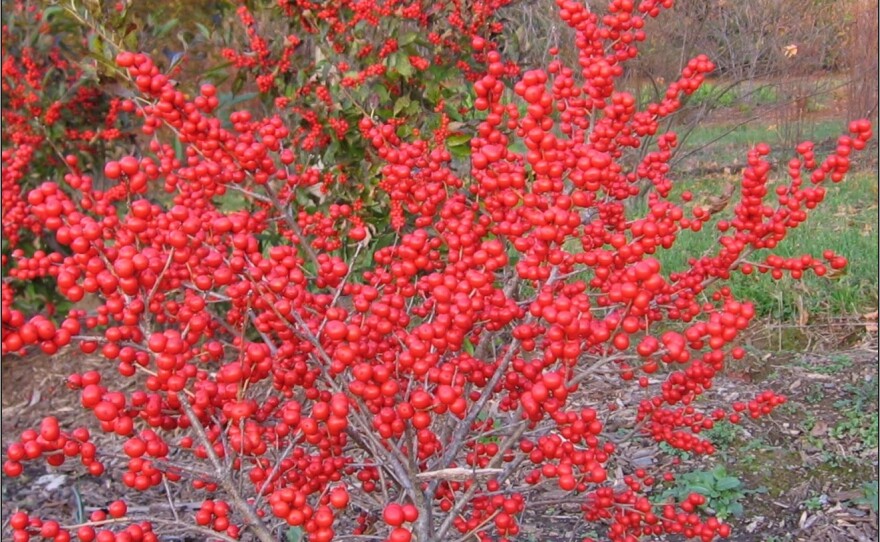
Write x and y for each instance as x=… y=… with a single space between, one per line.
x=47 y=103
x=25 y=528
x=258 y=334
x=54 y=446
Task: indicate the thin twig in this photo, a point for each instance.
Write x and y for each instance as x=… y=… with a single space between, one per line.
x=223 y=477
x=170 y=500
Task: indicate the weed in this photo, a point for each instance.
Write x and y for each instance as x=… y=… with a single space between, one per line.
x=791 y=408
x=709 y=94
x=765 y=95
x=862 y=427
x=750 y=460
x=723 y=492
x=865 y=394
x=859 y=415
x=846 y=220
x=674 y=452
x=816 y=502
x=837 y=363
x=814 y=394
x=871 y=497
x=723 y=434
x=809 y=422
x=835 y=460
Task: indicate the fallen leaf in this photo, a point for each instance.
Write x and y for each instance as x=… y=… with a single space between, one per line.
x=803 y=314
x=819 y=429
x=847 y=495
x=718 y=203
x=809 y=523
x=51 y=481
x=871 y=324
x=751 y=527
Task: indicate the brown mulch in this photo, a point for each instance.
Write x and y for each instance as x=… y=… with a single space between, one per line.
x=800 y=460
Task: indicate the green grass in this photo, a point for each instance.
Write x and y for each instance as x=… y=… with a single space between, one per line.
x=845 y=222
x=713 y=95
x=727 y=144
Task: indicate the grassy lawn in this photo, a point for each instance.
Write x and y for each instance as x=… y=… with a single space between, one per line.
x=711 y=158
x=845 y=222
x=726 y=144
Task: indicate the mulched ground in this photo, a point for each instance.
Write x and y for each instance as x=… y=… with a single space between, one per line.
x=811 y=458
x=805 y=464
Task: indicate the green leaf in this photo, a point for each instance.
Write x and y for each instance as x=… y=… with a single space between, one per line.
x=725 y=484
x=165 y=27
x=401 y=63
x=702 y=490
x=432 y=91
x=130 y=41
x=382 y=93
x=518 y=147
x=330 y=153
x=178 y=150
x=293 y=534
x=460 y=152
x=227 y=100
x=736 y=509
x=458 y=140
x=238 y=83
x=51 y=11
x=218 y=74
x=401 y=104
x=719 y=472
x=204 y=30
x=871 y=497
x=468 y=347
x=407 y=38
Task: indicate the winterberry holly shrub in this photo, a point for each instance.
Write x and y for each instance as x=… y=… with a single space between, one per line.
x=49 y=105
x=507 y=330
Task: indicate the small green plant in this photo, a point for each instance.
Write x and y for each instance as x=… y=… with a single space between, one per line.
x=864 y=394
x=809 y=422
x=749 y=460
x=871 y=495
x=834 y=459
x=860 y=426
x=816 y=502
x=756 y=443
x=836 y=364
x=723 y=492
x=814 y=394
x=674 y=452
x=765 y=95
x=859 y=415
x=710 y=94
x=723 y=434
x=791 y=408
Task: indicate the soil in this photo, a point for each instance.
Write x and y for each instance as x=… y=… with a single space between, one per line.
x=803 y=469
